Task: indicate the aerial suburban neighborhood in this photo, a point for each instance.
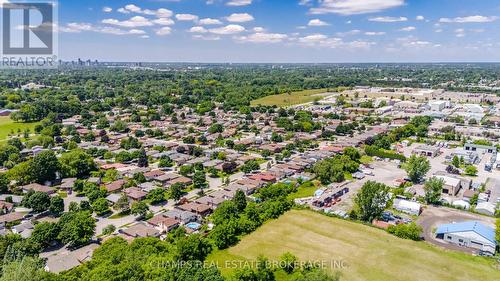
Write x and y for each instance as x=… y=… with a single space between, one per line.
x=139 y=143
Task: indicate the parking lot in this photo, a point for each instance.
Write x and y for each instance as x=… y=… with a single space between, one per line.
x=385 y=172
x=433 y=216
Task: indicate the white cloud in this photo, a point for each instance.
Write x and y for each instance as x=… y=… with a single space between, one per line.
x=408 y=28
x=123 y=11
x=321 y=40
x=164 y=21
x=258 y=29
x=240 y=17
x=413 y=42
x=353 y=7
x=238 y=3
x=131 y=8
x=388 y=19
x=75 y=27
x=198 y=29
x=186 y=17
x=317 y=22
x=305 y=2
x=350 y=32
x=164 y=13
x=460 y=32
x=206 y=37
x=262 y=37
x=136 y=21
x=420 y=18
x=374 y=33
x=228 y=29
x=314 y=38
x=164 y=31
x=107 y=9
x=209 y=21
x=469 y=19
x=137 y=31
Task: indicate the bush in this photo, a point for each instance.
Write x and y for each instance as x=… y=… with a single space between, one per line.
x=373 y=151
x=406 y=231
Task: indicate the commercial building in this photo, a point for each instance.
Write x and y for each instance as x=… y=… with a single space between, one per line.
x=470 y=234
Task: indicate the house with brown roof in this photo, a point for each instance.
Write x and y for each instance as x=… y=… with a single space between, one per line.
x=197 y=208
x=140 y=229
x=163 y=224
x=115 y=186
x=37 y=187
x=135 y=193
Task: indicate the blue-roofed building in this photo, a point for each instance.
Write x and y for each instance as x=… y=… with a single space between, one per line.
x=470 y=234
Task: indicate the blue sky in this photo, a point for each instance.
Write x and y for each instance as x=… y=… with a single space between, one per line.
x=280 y=30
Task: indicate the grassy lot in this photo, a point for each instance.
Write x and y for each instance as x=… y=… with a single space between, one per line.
x=370 y=253
x=306 y=189
x=290 y=99
x=7 y=125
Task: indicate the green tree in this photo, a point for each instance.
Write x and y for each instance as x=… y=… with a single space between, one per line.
x=371 y=200
x=77 y=163
x=143 y=159
x=56 y=206
x=416 y=167
x=100 y=206
x=45 y=166
x=433 y=188
x=176 y=191
x=240 y=200
x=37 y=201
x=77 y=228
x=4 y=183
x=199 y=180
x=353 y=153
x=156 y=195
x=45 y=233
x=108 y=229
x=193 y=248
x=471 y=170
x=122 y=204
x=26 y=269
x=456 y=161
x=288 y=262
x=139 y=208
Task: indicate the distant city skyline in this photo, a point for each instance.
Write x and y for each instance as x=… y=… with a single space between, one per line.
x=296 y=31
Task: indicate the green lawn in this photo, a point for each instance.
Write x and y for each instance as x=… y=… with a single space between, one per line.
x=7 y=125
x=290 y=99
x=369 y=253
x=306 y=189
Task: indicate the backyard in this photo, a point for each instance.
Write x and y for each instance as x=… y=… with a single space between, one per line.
x=367 y=253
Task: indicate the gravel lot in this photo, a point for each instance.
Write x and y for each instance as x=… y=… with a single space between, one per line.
x=433 y=216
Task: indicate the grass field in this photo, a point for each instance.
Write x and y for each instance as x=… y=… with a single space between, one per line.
x=369 y=253
x=7 y=125
x=305 y=190
x=290 y=99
